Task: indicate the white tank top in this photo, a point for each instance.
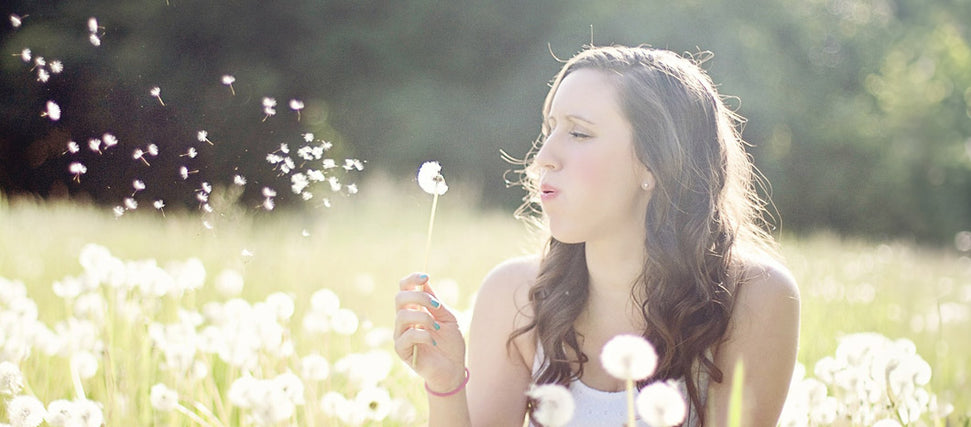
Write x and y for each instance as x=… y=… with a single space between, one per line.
x=595 y=408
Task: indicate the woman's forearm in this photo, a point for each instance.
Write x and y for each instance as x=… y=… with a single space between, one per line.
x=449 y=411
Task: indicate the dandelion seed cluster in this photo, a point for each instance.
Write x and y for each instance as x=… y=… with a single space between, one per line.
x=870 y=379
x=250 y=347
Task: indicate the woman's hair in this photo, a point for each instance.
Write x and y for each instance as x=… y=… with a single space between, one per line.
x=703 y=211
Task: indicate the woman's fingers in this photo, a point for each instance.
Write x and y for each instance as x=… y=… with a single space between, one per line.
x=407 y=341
x=412 y=281
x=409 y=319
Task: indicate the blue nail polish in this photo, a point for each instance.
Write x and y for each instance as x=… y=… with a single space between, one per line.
x=423 y=276
x=435 y=303
x=434 y=343
x=436 y=325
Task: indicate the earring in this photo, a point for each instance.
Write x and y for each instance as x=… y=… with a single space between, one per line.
x=645 y=185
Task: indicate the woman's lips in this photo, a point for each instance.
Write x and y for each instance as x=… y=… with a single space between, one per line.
x=548 y=192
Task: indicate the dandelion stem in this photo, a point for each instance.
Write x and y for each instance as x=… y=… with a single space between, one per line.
x=631 y=420
x=428 y=249
x=192 y=415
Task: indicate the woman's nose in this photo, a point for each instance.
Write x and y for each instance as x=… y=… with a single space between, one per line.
x=547 y=158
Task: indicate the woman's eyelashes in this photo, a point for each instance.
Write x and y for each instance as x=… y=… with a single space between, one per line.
x=579 y=135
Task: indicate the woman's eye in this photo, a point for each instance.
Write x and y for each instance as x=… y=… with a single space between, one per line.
x=579 y=135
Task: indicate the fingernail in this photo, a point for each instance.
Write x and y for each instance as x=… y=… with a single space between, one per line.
x=435 y=303
x=434 y=343
x=422 y=276
x=436 y=325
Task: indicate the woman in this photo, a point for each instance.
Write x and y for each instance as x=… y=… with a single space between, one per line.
x=655 y=230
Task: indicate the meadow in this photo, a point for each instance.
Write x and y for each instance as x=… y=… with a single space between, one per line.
x=358 y=249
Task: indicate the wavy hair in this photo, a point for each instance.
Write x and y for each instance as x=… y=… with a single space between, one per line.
x=703 y=212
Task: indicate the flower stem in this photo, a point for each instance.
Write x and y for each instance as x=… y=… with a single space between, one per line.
x=428 y=249
x=631 y=420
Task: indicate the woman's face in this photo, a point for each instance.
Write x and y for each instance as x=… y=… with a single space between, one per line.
x=591 y=180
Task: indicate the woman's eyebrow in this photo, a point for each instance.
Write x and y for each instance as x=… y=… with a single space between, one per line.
x=574 y=117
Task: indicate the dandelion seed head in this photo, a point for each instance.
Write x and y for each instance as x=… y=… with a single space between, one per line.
x=375 y=403
x=57 y=66
x=25 y=55
x=430 y=178
x=85 y=364
x=26 y=411
x=11 y=379
x=345 y=322
x=296 y=105
x=314 y=367
x=228 y=79
x=53 y=111
x=661 y=405
x=163 y=398
x=554 y=404
x=229 y=283
x=629 y=357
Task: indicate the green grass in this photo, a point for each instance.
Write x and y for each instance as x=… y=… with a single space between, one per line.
x=363 y=245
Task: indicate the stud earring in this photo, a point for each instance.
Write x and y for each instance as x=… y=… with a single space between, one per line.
x=645 y=185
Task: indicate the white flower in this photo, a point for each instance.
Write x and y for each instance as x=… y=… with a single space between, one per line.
x=554 y=404
x=430 y=178
x=85 y=364
x=26 y=411
x=314 y=367
x=628 y=357
x=163 y=398
x=291 y=386
x=11 y=379
x=375 y=402
x=52 y=111
x=661 y=405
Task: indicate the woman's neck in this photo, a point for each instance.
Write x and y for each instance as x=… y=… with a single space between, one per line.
x=615 y=264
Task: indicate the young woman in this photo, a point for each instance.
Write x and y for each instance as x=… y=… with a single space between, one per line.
x=655 y=230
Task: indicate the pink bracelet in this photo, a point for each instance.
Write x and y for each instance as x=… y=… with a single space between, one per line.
x=447 y=394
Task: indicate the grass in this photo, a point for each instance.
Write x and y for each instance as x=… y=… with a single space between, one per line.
x=362 y=246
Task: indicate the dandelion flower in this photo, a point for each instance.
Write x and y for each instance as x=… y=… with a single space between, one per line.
x=26 y=411
x=85 y=364
x=25 y=55
x=228 y=80
x=375 y=402
x=661 y=405
x=157 y=93
x=430 y=178
x=163 y=398
x=629 y=357
x=52 y=111
x=345 y=322
x=57 y=67
x=16 y=20
x=94 y=39
x=554 y=404
x=11 y=379
x=203 y=136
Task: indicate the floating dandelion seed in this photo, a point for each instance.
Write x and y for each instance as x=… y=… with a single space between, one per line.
x=130 y=203
x=118 y=211
x=239 y=180
x=184 y=172
x=73 y=147
x=329 y=164
x=157 y=93
x=42 y=75
x=206 y=187
x=269 y=107
x=159 y=204
x=109 y=140
x=228 y=80
x=138 y=185
x=16 y=21
x=190 y=153
x=25 y=55
x=94 y=144
x=296 y=105
x=93 y=25
x=308 y=137
x=94 y=39
x=351 y=188
x=203 y=136
x=152 y=150
x=138 y=154
x=207 y=208
x=39 y=62
x=52 y=111
x=269 y=194
x=56 y=66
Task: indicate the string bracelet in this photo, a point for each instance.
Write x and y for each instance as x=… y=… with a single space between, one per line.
x=447 y=394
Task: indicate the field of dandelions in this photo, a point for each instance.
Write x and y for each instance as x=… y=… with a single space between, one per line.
x=285 y=319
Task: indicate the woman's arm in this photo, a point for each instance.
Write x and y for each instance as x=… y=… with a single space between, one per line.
x=763 y=334
x=497 y=378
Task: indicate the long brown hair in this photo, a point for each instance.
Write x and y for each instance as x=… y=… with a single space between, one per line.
x=703 y=213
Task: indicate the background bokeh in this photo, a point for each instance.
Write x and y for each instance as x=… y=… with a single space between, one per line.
x=858 y=110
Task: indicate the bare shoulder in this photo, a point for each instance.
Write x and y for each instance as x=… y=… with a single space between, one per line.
x=512 y=277
x=502 y=304
x=766 y=281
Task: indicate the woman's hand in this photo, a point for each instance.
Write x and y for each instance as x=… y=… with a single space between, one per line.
x=424 y=325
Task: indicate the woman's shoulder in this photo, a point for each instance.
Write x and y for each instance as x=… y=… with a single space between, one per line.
x=511 y=280
x=766 y=279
